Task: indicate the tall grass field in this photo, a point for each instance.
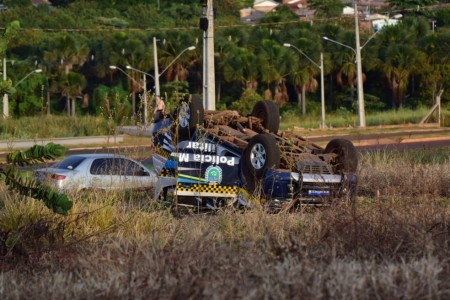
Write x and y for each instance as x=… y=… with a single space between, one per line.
x=56 y=126
x=393 y=243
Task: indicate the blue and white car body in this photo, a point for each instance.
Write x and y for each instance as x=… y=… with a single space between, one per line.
x=213 y=165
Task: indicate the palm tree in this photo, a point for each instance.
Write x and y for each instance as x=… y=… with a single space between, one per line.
x=345 y=60
x=274 y=64
x=66 y=52
x=400 y=58
x=71 y=86
x=437 y=68
x=302 y=71
x=231 y=62
x=130 y=49
x=303 y=80
x=177 y=70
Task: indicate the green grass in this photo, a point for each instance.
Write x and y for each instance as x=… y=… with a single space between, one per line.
x=63 y=126
x=344 y=119
x=54 y=127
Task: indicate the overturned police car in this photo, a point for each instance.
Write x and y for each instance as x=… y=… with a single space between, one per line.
x=220 y=158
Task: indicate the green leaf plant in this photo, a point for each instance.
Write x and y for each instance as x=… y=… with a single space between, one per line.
x=17 y=182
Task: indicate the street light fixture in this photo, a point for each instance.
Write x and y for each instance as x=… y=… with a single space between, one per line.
x=112 y=67
x=357 y=51
x=26 y=76
x=322 y=81
x=145 y=74
x=346 y=46
x=336 y=42
x=5 y=96
x=155 y=77
x=370 y=38
x=157 y=74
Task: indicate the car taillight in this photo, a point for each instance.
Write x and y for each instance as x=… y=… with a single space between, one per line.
x=58 y=177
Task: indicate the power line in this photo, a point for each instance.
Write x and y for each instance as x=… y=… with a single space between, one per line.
x=242 y=25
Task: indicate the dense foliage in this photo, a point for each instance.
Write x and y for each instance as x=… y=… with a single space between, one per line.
x=76 y=42
x=17 y=181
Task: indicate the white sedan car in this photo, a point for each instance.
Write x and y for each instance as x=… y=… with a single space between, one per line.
x=97 y=171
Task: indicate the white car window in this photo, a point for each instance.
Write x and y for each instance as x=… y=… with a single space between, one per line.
x=133 y=169
x=99 y=167
x=69 y=163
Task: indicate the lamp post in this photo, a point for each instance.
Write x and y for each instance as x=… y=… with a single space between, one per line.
x=359 y=83
x=357 y=51
x=5 y=96
x=157 y=74
x=112 y=67
x=361 y=110
x=322 y=81
x=145 y=74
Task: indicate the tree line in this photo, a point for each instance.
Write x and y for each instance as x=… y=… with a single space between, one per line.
x=76 y=42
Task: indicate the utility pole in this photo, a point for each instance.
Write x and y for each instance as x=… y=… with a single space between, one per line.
x=361 y=111
x=155 y=61
x=322 y=90
x=5 y=96
x=322 y=80
x=209 y=81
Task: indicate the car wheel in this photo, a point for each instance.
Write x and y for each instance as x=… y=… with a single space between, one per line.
x=261 y=154
x=347 y=159
x=189 y=114
x=269 y=112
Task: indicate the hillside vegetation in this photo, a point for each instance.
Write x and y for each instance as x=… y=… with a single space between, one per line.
x=76 y=42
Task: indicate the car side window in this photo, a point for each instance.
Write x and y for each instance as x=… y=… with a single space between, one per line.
x=131 y=168
x=107 y=166
x=116 y=166
x=134 y=169
x=99 y=167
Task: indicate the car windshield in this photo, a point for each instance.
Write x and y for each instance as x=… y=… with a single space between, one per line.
x=69 y=163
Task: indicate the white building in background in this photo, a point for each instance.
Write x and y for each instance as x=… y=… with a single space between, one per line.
x=347 y=10
x=265 y=5
x=380 y=23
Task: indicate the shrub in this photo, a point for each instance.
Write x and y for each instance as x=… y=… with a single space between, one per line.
x=247 y=101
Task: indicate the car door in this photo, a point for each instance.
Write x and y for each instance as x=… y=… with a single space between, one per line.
x=137 y=176
x=106 y=173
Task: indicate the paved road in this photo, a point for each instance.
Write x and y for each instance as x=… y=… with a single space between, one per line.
x=406 y=146
x=414 y=139
x=8 y=145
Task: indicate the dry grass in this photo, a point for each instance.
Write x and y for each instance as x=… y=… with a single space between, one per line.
x=394 y=244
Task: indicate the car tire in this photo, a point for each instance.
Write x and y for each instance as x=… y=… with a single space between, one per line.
x=262 y=153
x=189 y=115
x=269 y=112
x=347 y=160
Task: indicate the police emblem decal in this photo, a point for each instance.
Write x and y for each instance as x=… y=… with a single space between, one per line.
x=213 y=174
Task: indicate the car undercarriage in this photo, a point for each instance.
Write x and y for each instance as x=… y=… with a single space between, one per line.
x=215 y=158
